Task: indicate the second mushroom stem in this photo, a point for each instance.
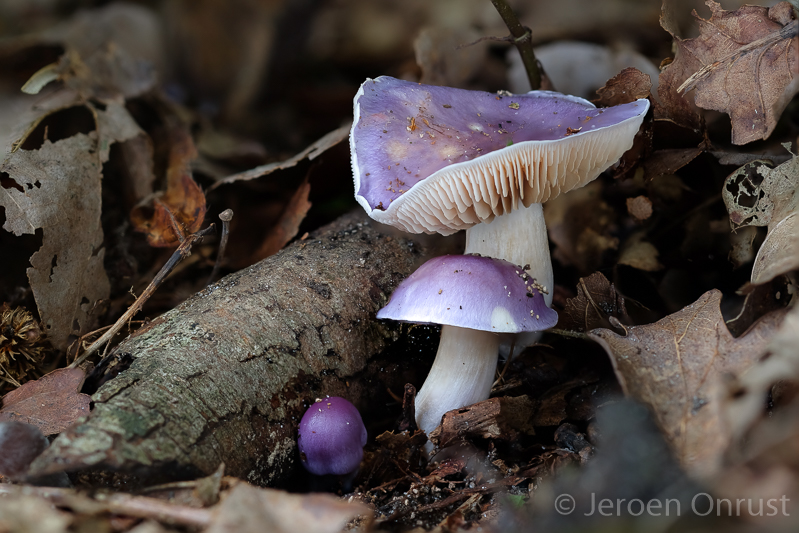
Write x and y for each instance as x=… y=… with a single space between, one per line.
x=519 y=237
x=462 y=374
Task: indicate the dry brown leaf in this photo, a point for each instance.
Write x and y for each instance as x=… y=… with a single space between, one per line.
x=669 y=161
x=678 y=366
x=182 y=204
x=672 y=105
x=248 y=509
x=51 y=403
x=758 y=195
x=286 y=228
x=596 y=301
x=740 y=64
x=56 y=189
x=627 y=86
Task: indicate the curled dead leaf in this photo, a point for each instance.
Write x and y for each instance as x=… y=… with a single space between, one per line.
x=179 y=210
x=758 y=195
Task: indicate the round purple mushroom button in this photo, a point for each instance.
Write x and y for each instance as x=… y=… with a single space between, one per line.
x=472 y=292
x=332 y=437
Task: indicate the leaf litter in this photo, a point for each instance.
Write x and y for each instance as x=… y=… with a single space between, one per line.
x=678 y=367
x=657 y=234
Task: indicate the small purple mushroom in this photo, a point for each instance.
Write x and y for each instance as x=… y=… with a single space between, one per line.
x=430 y=159
x=479 y=300
x=332 y=437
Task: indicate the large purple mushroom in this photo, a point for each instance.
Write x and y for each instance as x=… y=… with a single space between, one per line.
x=432 y=159
x=331 y=437
x=479 y=301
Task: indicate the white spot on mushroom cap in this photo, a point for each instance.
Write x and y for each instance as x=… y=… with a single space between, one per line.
x=502 y=320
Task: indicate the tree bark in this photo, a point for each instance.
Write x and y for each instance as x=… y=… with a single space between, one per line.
x=227 y=375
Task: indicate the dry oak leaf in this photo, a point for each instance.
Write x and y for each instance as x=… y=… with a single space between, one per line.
x=596 y=301
x=758 y=195
x=679 y=367
x=51 y=403
x=741 y=64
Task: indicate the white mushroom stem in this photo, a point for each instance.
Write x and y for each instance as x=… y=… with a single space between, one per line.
x=519 y=237
x=462 y=374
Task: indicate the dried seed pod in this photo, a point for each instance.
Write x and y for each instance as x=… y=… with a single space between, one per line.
x=22 y=345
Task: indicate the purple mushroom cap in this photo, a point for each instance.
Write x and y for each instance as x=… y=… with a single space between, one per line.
x=484 y=151
x=472 y=292
x=332 y=437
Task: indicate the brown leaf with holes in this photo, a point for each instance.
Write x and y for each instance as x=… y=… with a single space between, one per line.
x=51 y=403
x=740 y=64
x=679 y=367
x=758 y=195
x=596 y=301
x=55 y=187
x=179 y=210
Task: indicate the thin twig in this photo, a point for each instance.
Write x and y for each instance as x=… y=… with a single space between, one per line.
x=505 y=367
x=182 y=251
x=522 y=38
x=176 y=226
x=225 y=216
x=569 y=333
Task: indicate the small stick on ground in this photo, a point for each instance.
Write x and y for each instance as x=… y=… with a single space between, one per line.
x=182 y=251
x=522 y=38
